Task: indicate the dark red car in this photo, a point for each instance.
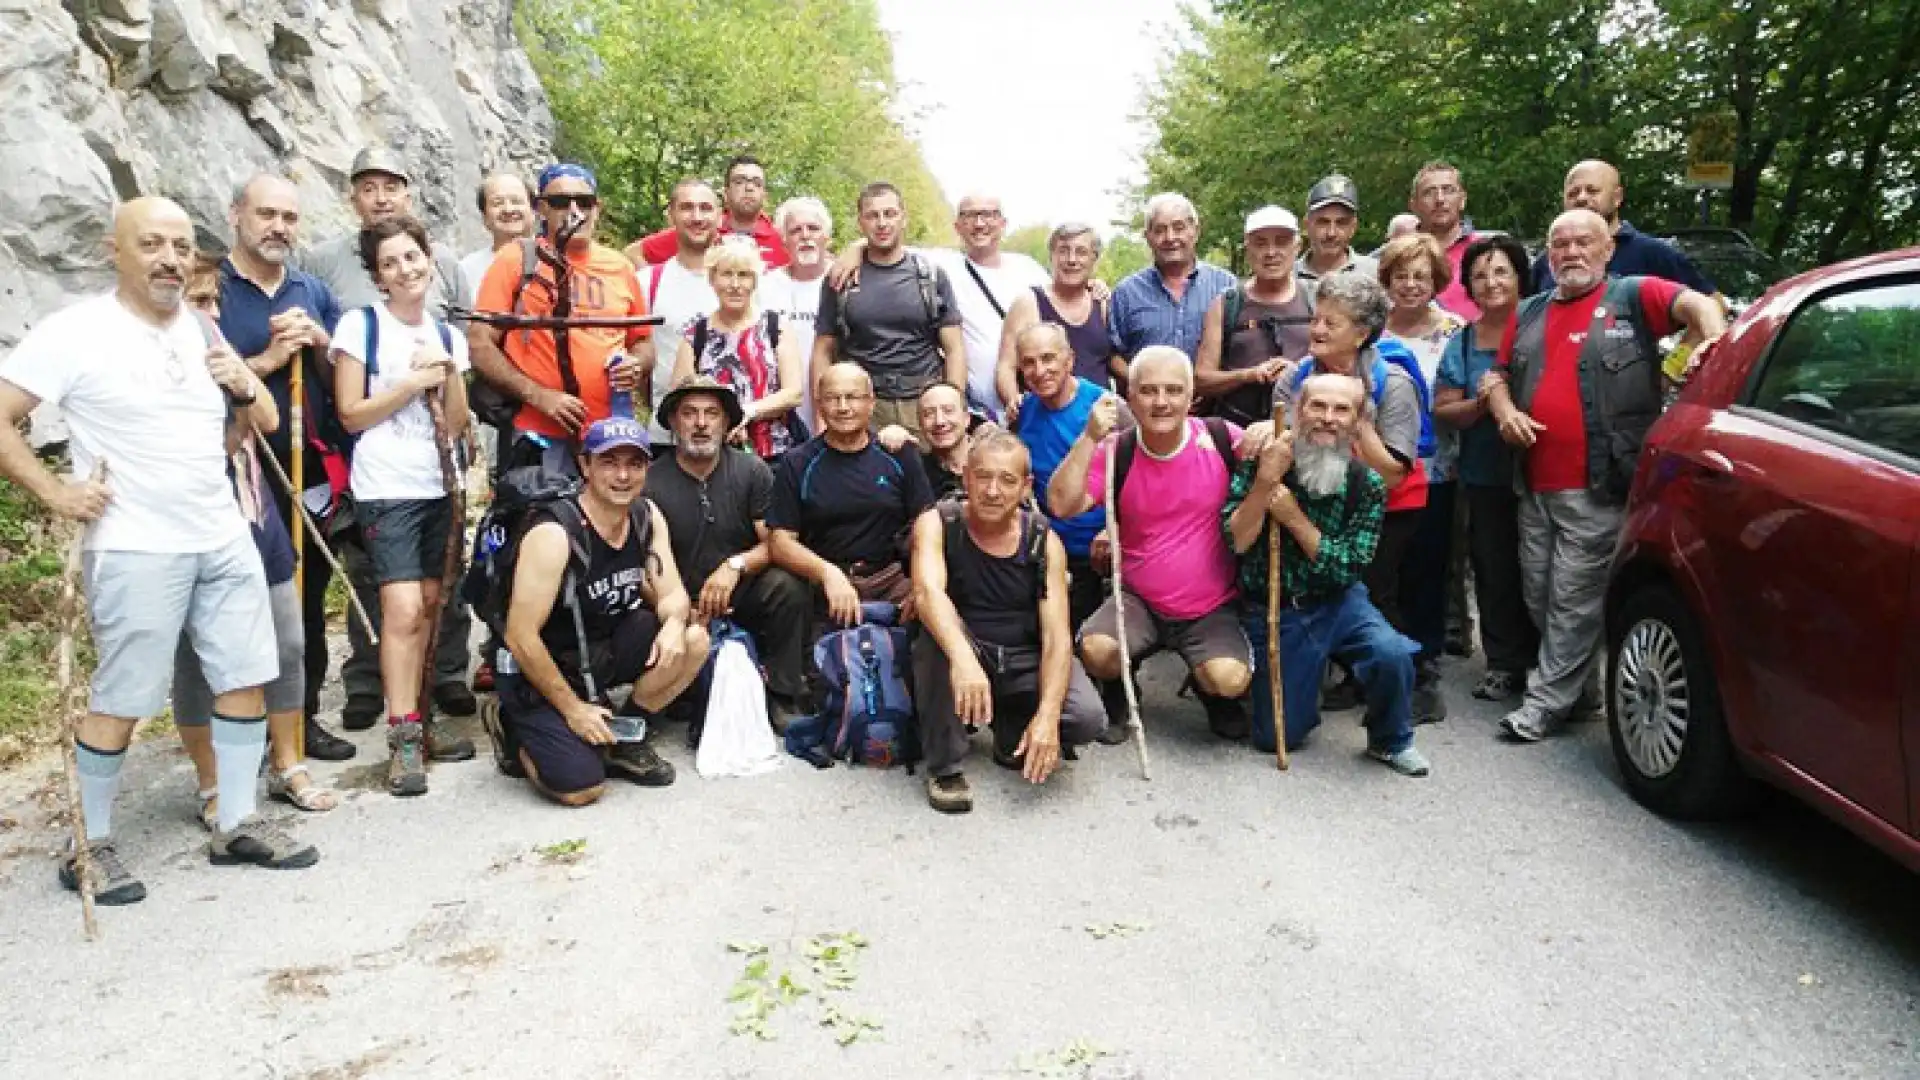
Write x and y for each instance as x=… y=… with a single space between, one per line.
x=1763 y=618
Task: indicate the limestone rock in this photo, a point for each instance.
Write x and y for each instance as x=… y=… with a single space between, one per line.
x=186 y=98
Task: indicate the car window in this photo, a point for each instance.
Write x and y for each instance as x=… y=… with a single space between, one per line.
x=1849 y=363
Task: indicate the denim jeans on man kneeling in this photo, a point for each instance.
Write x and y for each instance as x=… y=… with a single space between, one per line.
x=1348 y=628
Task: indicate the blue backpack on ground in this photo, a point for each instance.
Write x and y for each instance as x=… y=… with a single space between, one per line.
x=1384 y=352
x=868 y=717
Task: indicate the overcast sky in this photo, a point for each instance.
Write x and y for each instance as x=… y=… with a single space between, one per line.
x=1030 y=99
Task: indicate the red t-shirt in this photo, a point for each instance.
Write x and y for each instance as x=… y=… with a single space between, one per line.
x=1558 y=459
x=663 y=245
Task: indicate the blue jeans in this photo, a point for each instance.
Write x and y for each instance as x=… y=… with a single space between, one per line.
x=1350 y=629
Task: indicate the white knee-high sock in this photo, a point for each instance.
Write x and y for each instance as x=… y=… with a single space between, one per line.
x=99 y=783
x=239 y=744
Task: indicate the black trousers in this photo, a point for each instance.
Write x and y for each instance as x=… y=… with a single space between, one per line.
x=775 y=608
x=944 y=739
x=1385 y=572
x=1424 y=570
x=1493 y=544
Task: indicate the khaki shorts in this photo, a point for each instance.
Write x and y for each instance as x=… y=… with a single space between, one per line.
x=1216 y=635
x=905 y=412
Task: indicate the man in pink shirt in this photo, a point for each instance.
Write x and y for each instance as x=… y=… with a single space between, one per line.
x=1439 y=200
x=1177 y=568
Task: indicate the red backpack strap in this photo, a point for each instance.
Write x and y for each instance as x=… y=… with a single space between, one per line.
x=653 y=285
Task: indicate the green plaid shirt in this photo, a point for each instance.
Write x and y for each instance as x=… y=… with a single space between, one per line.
x=1347 y=541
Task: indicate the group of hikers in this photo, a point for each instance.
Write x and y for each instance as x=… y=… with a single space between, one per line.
x=729 y=431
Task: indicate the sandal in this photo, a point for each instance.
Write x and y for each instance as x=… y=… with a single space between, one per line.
x=312 y=798
x=209 y=808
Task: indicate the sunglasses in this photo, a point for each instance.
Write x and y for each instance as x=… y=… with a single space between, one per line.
x=561 y=202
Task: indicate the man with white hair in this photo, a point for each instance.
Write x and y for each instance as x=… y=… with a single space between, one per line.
x=1174 y=472
x=1329 y=507
x=1166 y=303
x=1575 y=388
x=793 y=290
x=986 y=282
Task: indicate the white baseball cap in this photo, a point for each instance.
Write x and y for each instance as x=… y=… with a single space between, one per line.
x=1271 y=217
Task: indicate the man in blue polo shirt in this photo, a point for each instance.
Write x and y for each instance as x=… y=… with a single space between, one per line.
x=275 y=316
x=1595 y=185
x=1166 y=303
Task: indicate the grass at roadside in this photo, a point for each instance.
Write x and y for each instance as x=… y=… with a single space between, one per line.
x=32 y=553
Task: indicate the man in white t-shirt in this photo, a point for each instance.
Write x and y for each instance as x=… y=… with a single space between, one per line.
x=986 y=282
x=506 y=208
x=678 y=290
x=147 y=387
x=806 y=228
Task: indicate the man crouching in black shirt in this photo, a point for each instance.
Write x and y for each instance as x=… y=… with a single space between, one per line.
x=990 y=581
x=842 y=505
x=625 y=600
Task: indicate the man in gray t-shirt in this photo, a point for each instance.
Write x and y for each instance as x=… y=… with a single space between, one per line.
x=895 y=317
x=380 y=189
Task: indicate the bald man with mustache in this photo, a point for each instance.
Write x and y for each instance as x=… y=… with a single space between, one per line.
x=1595 y=185
x=148 y=388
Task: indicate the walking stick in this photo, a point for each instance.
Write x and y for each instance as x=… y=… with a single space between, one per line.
x=319 y=538
x=71 y=713
x=297 y=431
x=456 y=541
x=1120 y=616
x=1275 y=691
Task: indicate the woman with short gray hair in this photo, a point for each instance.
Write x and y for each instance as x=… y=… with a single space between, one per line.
x=1074 y=300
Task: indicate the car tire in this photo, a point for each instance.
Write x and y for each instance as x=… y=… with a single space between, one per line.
x=1664 y=716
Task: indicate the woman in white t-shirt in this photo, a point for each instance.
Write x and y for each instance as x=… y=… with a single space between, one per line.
x=387 y=358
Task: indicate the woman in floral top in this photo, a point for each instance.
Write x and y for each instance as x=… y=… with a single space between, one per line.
x=1414 y=269
x=741 y=347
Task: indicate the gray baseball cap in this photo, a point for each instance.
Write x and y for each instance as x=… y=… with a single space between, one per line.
x=379 y=159
x=1334 y=189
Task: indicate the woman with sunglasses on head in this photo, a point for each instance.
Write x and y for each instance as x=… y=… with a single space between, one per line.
x=387 y=358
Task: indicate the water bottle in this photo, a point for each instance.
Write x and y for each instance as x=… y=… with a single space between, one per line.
x=621 y=400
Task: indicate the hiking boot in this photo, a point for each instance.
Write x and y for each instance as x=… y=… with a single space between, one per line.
x=1342 y=696
x=950 y=794
x=1521 y=725
x=1500 y=686
x=1407 y=761
x=443 y=747
x=407 y=767
x=361 y=711
x=262 y=843
x=1227 y=718
x=454 y=699
x=506 y=757
x=483 y=677
x=324 y=745
x=637 y=762
x=113 y=885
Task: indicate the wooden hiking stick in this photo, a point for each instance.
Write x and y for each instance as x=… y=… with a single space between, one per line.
x=456 y=541
x=319 y=540
x=1275 y=691
x=70 y=716
x=1120 y=616
x=297 y=430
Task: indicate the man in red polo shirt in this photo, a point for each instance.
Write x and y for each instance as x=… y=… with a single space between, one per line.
x=746 y=200
x=1593 y=342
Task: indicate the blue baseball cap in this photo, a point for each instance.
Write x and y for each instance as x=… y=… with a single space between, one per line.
x=614 y=431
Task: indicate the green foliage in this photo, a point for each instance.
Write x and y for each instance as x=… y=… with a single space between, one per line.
x=1075 y=1059
x=31 y=562
x=651 y=91
x=564 y=851
x=1029 y=240
x=1274 y=95
x=1122 y=254
x=758 y=994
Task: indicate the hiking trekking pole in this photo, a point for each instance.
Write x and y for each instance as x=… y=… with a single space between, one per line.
x=1120 y=617
x=1275 y=691
x=70 y=716
x=319 y=539
x=297 y=433
x=456 y=537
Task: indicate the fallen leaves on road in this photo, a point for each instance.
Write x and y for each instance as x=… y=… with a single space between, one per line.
x=301 y=982
x=565 y=852
x=1070 y=1062
x=759 y=993
x=1102 y=931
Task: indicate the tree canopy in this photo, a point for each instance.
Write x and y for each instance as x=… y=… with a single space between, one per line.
x=649 y=92
x=1820 y=98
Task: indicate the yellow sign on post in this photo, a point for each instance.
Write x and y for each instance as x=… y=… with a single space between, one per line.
x=1710 y=150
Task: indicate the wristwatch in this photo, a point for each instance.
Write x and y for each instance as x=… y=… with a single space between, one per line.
x=738 y=563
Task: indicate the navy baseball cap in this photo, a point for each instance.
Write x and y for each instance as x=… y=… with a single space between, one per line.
x=614 y=431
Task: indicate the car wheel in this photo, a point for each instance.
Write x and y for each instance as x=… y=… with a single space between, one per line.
x=1669 y=734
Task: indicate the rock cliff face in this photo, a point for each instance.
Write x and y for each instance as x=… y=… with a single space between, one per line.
x=107 y=99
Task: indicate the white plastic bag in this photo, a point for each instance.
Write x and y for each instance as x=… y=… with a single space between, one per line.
x=738 y=739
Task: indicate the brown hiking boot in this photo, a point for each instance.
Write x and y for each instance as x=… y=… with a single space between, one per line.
x=950 y=794
x=407 y=768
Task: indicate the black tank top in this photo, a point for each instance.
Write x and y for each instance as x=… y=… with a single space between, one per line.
x=1089 y=340
x=1262 y=332
x=611 y=587
x=994 y=595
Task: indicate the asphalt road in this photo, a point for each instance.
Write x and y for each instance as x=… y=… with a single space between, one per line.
x=1513 y=915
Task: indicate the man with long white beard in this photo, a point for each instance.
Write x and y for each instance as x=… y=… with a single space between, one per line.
x=1329 y=508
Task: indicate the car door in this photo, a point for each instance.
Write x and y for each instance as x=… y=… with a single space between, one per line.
x=1812 y=523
